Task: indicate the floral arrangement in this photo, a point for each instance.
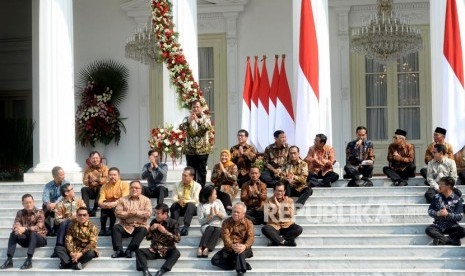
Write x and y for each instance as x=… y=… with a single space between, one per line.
x=97 y=117
x=167 y=141
x=170 y=50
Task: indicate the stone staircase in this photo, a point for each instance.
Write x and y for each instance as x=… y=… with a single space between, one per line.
x=347 y=231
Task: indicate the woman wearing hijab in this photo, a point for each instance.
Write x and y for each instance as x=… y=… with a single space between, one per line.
x=224 y=177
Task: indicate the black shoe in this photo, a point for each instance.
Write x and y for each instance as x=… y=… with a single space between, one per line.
x=78 y=266
x=184 y=231
x=92 y=213
x=160 y=272
x=53 y=233
x=146 y=273
x=396 y=183
x=65 y=266
x=128 y=253
x=8 y=264
x=108 y=233
x=240 y=273
x=102 y=232
x=54 y=255
x=247 y=266
x=438 y=242
x=27 y=264
x=403 y=183
x=454 y=242
x=119 y=254
x=289 y=243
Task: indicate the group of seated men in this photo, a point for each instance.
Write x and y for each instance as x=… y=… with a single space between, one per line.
x=67 y=217
x=283 y=170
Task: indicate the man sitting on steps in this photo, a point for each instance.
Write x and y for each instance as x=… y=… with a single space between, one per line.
x=447 y=211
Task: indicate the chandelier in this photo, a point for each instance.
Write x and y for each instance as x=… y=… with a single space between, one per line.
x=386 y=36
x=142 y=46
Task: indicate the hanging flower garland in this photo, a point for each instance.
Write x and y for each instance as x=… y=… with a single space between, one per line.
x=180 y=73
x=171 y=51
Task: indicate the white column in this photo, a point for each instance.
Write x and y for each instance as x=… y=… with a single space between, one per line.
x=342 y=131
x=234 y=95
x=185 y=20
x=53 y=93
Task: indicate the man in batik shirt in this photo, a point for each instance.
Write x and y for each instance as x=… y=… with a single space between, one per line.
x=320 y=159
x=294 y=175
x=80 y=242
x=243 y=155
x=274 y=158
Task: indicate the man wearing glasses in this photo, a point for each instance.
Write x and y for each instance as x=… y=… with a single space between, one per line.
x=401 y=158
x=243 y=155
x=155 y=173
x=65 y=212
x=80 y=242
x=132 y=211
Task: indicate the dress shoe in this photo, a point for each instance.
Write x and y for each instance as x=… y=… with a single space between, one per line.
x=247 y=266
x=102 y=232
x=108 y=233
x=160 y=272
x=240 y=273
x=27 y=264
x=199 y=253
x=65 y=266
x=54 y=255
x=78 y=266
x=146 y=273
x=128 y=253
x=92 y=213
x=8 y=264
x=289 y=243
x=184 y=231
x=119 y=254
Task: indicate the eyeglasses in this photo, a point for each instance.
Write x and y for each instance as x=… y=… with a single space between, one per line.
x=82 y=215
x=240 y=135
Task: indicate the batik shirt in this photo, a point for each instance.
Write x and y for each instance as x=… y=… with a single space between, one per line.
x=324 y=159
x=241 y=232
x=199 y=136
x=33 y=221
x=429 y=152
x=160 y=242
x=244 y=161
x=454 y=207
x=355 y=155
x=299 y=169
x=439 y=169
x=276 y=156
x=99 y=172
x=407 y=155
x=253 y=199
x=67 y=209
x=81 y=238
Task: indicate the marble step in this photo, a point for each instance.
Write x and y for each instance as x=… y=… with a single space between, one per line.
x=427 y=251
x=304 y=240
x=279 y=264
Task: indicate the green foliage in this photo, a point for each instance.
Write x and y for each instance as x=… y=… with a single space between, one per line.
x=15 y=148
x=109 y=73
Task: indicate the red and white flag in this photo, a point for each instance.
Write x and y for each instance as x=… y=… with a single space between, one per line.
x=313 y=112
x=246 y=96
x=253 y=137
x=263 y=99
x=447 y=68
x=284 y=110
x=272 y=102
